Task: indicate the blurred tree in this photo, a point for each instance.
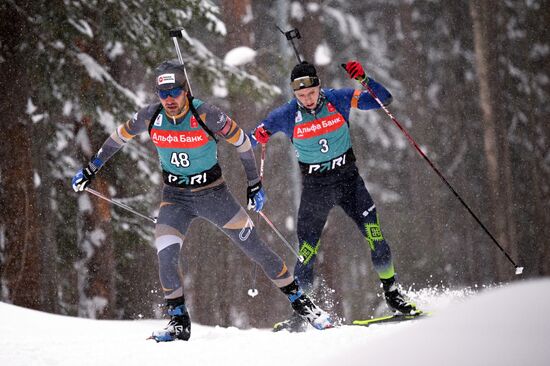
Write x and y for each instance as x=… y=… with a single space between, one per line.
x=485 y=32
x=21 y=263
x=523 y=76
x=470 y=82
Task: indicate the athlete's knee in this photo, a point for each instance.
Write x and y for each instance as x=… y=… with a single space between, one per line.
x=373 y=235
x=240 y=223
x=308 y=251
x=164 y=241
x=166 y=235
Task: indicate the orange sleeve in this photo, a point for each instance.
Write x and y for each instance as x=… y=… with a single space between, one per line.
x=124 y=132
x=355 y=98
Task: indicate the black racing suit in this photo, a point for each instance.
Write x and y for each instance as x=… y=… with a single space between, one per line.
x=322 y=143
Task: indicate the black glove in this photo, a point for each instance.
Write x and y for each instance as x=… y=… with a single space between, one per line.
x=85 y=175
x=255 y=196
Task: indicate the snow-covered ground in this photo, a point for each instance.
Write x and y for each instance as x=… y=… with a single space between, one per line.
x=508 y=325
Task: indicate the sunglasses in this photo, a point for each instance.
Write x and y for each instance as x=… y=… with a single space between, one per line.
x=304 y=82
x=174 y=93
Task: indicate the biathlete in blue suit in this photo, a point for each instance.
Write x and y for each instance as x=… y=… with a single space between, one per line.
x=317 y=124
x=184 y=131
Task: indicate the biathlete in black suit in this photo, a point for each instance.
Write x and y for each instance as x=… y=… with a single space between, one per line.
x=317 y=123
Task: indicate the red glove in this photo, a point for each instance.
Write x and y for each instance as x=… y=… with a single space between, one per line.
x=355 y=70
x=262 y=135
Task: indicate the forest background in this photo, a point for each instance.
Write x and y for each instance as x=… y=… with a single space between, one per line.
x=470 y=81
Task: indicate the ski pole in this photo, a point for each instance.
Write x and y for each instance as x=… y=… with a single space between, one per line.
x=519 y=270
x=175 y=34
x=300 y=258
x=119 y=204
x=290 y=35
x=253 y=291
x=262 y=161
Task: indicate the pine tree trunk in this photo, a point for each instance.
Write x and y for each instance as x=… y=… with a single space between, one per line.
x=495 y=144
x=20 y=268
x=97 y=267
x=237 y=16
x=99 y=299
x=47 y=240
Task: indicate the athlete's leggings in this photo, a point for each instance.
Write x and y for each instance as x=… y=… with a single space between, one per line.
x=179 y=207
x=347 y=190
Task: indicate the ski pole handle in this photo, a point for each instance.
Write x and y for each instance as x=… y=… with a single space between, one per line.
x=262 y=162
x=290 y=36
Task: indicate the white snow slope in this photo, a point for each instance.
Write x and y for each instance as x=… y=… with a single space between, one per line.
x=508 y=325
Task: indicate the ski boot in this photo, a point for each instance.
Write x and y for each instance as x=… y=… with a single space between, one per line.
x=306 y=309
x=395 y=300
x=179 y=326
x=294 y=324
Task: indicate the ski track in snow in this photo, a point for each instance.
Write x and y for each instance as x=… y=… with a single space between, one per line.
x=507 y=325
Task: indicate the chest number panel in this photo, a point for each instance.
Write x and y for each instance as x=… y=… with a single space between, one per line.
x=324 y=145
x=180 y=159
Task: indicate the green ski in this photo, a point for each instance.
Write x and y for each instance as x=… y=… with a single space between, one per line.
x=390 y=319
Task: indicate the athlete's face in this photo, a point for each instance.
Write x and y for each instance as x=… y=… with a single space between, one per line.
x=308 y=96
x=173 y=101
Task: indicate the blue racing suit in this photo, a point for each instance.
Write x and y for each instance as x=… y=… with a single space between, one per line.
x=330 y=178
